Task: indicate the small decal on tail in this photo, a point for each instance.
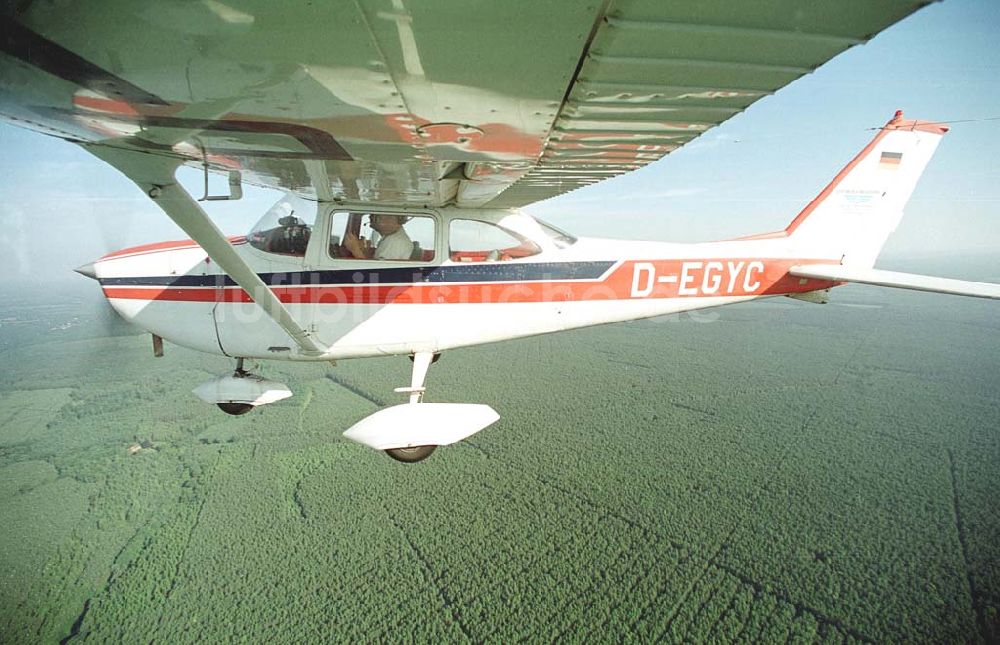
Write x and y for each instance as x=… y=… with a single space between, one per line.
x=890 y=160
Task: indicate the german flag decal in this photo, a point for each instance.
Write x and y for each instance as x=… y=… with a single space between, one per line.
x=890 y=160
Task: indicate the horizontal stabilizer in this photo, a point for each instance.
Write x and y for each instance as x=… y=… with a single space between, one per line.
x=839 y=273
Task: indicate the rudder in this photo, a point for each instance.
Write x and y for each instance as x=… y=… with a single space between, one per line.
x=855 y=214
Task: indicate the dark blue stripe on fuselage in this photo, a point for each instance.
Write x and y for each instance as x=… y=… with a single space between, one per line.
x=494 y=272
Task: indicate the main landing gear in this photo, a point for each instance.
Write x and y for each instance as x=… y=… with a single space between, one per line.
x=410 y=432
x=411 y=455
x=421 y=362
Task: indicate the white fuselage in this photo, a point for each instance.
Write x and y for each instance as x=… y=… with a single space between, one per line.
x=357 y=308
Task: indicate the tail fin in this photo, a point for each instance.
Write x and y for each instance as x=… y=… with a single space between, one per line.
x=854 y=215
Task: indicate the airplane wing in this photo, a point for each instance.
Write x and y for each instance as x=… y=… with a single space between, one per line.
x=412 y=103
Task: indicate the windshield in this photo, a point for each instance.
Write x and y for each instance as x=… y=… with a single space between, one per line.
x=285 y=228
x=560 y=238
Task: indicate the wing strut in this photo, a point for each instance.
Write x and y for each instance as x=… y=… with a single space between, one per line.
x=154 y=174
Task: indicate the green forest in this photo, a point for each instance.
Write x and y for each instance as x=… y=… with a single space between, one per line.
x=777 y=471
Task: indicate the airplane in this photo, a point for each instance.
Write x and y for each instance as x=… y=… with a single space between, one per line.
x=408 y=137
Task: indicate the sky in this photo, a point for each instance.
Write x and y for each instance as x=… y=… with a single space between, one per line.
x=60 y=207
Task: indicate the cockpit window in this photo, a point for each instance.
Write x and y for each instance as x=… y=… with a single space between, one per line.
x=476 y=241
x=382 y=236
x=285 y=228
x=560 y=238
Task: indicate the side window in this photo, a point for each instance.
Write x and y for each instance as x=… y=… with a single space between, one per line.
x=475 y=241
x=382 y=236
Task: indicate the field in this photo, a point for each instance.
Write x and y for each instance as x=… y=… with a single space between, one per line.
x=777 y=471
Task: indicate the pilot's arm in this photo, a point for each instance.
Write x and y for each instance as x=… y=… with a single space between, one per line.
x=355 y=247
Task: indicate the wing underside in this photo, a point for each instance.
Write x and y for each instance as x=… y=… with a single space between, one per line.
x=401 y=102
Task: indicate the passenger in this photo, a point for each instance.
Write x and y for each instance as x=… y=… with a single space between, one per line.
x=290 y=237
x=394 y=245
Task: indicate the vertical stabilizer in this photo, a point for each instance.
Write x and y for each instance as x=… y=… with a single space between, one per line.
x=853 y=216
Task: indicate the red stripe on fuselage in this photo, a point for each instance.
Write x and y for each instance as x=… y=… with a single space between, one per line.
x=632 y=280
x=164 y=246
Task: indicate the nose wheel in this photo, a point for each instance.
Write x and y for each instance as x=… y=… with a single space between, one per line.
x=235 y=409
x=241 y=391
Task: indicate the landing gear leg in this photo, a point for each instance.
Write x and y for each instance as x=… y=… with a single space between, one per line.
x=421 y=362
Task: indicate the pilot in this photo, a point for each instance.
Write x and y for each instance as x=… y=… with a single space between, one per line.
x=394 y=245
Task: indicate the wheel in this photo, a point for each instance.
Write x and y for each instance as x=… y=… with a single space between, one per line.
x=410 y=455
x=235 y=409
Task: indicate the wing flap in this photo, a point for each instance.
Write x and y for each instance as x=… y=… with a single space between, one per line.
x=915 y=281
